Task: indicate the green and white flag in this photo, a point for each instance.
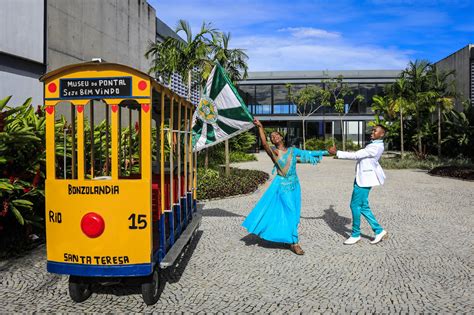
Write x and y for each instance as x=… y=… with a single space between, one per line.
x=221 y=113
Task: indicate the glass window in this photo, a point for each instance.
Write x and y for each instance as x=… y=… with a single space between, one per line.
x=129 y=140
x=65 y=140
x=247 y=92
x=97 y=139
x=351 y=99
x=280 y=99
x=368 y=91
x=380 y=89
x=263 y=97
x=292 y=91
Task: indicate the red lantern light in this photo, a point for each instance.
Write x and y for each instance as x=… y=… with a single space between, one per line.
x=92 y=225
x=52 y=87
x=142 y=85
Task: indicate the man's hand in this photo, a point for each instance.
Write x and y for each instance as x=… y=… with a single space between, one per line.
x=257 y=123
x=332 y=150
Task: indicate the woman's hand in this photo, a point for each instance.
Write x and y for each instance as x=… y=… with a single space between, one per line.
x=257 y=123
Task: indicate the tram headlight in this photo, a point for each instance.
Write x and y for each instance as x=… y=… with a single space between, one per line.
x=92 y=225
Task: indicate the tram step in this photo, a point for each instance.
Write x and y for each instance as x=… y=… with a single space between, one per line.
x=181 y=242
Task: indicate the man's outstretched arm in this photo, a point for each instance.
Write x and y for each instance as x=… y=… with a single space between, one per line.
x=360 y=154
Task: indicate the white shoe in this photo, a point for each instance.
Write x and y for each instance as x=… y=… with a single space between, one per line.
x=379 y=237
x=352 y=240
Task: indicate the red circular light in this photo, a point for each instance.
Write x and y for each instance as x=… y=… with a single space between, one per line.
x=142 y=85
x=52 y=87
x=92 y=225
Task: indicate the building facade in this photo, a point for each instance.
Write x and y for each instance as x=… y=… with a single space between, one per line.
x=42 y=35
x=22 y=53
x=462 y=62
x=267 y=97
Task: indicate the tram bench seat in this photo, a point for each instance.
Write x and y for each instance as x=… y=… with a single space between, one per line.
x=156 y=193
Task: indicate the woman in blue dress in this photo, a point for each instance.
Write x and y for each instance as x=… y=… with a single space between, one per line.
x=277 y=214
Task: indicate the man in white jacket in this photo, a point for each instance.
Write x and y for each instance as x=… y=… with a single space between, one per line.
x=369 y=173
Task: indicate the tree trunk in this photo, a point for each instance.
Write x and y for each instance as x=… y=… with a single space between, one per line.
x=304 y=135
x=402 y=149
x=439 y=130
x=206 y=158
x=418 y=129
x=227 y=159
x=343 y=136
x=189 y=85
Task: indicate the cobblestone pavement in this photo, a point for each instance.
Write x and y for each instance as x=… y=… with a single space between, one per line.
x=426 y=265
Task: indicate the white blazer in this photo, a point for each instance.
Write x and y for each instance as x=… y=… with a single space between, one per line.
x=369 y=173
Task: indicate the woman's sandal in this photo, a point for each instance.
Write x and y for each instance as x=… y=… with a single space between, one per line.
x=296 y=248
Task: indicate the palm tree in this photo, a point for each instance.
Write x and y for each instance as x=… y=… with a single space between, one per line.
x=444 y=88
x=183 y=56
x=416 y=76
x=399 y=96
x=233 y=60
x=384 y=107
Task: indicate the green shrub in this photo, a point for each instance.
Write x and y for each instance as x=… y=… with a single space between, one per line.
x=216 y=154
x=410 y=161
x=242 y=142
x=324 y=144
x=22 y=169
x=214 y=183
x=241 y=157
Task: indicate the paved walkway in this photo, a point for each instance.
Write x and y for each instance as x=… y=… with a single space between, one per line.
x=425 y=266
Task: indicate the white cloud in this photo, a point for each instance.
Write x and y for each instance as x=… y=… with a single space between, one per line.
x=271 y=53
x=310 y=32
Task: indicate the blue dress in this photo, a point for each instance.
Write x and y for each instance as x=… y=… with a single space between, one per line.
x=277 y=214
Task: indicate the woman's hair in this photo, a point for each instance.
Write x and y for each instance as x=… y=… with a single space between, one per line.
x=277 y=133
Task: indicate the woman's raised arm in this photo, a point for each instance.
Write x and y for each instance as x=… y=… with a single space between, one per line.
x=263 y=138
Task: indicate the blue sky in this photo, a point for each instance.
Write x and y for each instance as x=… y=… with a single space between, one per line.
x=333 y=35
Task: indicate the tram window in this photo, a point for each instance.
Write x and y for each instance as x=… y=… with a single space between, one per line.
x=129 y=140
x=155 y=132
x=65 y=140
x=97 y=139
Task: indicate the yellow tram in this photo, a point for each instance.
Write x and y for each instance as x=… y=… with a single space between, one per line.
x=120 y=176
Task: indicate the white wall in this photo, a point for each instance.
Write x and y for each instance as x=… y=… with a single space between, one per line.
x=21 y=87
x=22 y=28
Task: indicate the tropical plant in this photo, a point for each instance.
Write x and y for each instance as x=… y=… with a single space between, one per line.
x=22 y=169
x=419 y=95
x=324 y=144
x=443 y=86
x=339 y=90
x=398 y=94
x=308 y=100
x=233 y=60
x=175 y=55
x=460 y=130
x=243 y=142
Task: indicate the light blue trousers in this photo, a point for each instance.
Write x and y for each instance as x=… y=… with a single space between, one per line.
x=360 y=205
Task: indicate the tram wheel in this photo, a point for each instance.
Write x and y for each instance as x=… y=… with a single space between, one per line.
x=79 y=290
x=151 y=288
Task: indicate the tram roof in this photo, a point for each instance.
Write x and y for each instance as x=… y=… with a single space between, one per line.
x=92 y=64
x=98 y=65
